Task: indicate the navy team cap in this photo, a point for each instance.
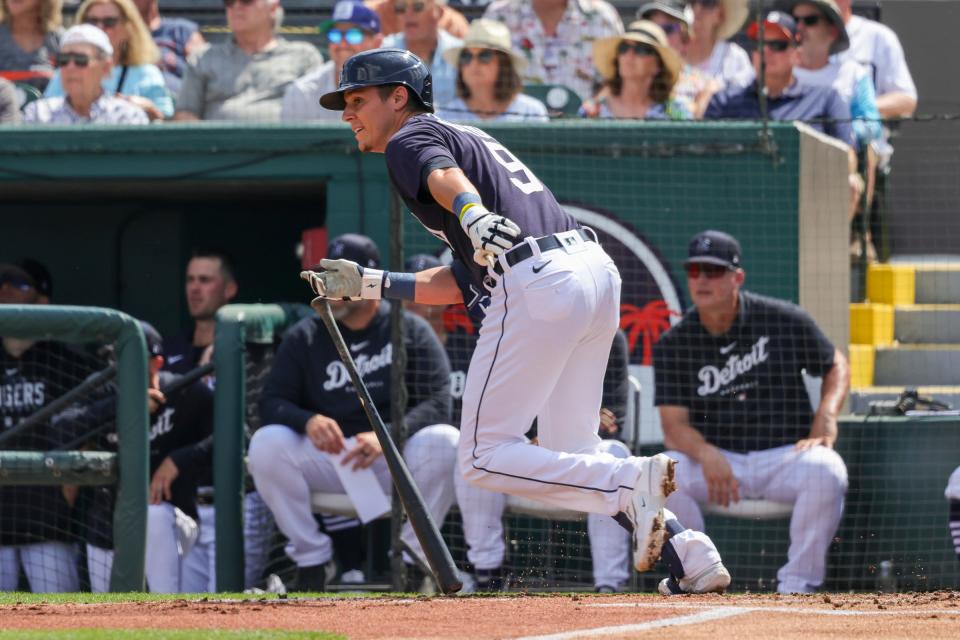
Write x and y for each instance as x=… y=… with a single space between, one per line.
x=421 y=262
x=714 y=247
x=355 y=247
x=153 y=338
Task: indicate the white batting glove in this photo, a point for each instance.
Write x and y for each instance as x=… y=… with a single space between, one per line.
x=491 y=234
x=340 y=280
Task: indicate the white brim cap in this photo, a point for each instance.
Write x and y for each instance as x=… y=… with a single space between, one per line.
x=87 y=34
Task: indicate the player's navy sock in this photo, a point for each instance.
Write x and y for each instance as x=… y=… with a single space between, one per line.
x=668 y=554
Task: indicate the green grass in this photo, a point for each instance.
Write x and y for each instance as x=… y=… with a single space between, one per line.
x=19 y=597
x=165 y=634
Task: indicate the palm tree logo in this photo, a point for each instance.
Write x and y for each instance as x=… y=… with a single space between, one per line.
x=648 y=322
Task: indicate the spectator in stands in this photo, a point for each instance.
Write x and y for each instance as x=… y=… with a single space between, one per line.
x=694 y=87
x=352 y=28
x=177 y=38
x=211 y=282
x=456 y=328
x=714 y=21
x=309 y=409
x=736 y=412
x=451 y=20
x=9 y=109
x=488 y=78
x=135 y=76
x=876 y=47
x=36 y=534
x=244 y=77
x=821 y=107
x=639 y=70
x=29 y=37
x=84 y=63
x=181 y=449
x=820 y=33
x=422 y=35
x=556 y=37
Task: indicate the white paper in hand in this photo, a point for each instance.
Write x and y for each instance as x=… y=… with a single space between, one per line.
x=362 y=486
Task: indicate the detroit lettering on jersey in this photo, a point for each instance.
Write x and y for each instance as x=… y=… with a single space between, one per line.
x=744 y=389
x=505 y=184
x=367 y=364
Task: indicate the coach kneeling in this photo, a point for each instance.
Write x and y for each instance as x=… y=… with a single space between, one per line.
x=737 y=415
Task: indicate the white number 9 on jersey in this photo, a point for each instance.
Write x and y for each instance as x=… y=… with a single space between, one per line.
x=512 y=164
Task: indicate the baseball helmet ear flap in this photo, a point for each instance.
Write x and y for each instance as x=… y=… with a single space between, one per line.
x=379 y=67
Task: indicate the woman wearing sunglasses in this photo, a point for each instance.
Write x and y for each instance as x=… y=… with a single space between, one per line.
x=488 y=78
x=30 y=34
x=135 y=76
x=714 y=21
x=640 y=71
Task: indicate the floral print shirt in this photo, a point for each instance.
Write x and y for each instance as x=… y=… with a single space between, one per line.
x=567 y=57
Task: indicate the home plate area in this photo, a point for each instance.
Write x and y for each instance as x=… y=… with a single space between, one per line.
x=920 y=615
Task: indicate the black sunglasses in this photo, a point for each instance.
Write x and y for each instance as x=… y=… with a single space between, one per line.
x=710 y=271
x=401 y=7
x=229 y=3
x=484 y=57
x=79 y=59
x=778 y=46
x=810 y=21
x=672 y=27
x=639 y=48
x=104 y=23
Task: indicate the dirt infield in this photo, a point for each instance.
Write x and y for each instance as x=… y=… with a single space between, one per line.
x=929 y=615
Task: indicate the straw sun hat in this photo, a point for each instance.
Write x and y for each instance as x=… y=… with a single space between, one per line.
x=605 y=50
x=487 y=34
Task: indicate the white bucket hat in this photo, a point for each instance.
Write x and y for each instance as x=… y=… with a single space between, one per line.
x=487 y=34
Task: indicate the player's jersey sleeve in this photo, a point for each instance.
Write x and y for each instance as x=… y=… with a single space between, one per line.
x=412 y=151
x=816 y=350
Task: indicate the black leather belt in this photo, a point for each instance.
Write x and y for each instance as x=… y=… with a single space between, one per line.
x=547 y=243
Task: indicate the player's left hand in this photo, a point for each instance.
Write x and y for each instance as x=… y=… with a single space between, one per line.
x=162 y=480
x=608 y=422
x=489 y=233
x=340 y=280
x=366 y=451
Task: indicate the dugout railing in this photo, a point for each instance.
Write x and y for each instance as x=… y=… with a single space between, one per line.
x=128 y=467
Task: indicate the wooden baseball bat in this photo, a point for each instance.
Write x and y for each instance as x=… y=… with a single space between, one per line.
x=441 y=562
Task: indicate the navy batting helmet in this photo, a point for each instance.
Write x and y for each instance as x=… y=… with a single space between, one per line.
x=379 y=67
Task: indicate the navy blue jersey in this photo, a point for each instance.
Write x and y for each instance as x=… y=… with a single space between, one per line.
x=506 y=186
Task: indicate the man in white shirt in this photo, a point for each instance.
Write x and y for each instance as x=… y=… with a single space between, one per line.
x=353 y=28
x=877 y=47
x=84 y=60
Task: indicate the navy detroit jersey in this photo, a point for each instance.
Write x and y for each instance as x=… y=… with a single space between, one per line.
x=506 y=186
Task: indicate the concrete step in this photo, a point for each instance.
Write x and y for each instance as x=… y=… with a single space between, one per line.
x=860 y=399
x=915 y=365
x=927 y=323
x=938 y=283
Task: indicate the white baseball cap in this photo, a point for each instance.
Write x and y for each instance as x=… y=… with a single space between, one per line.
x=87 y=34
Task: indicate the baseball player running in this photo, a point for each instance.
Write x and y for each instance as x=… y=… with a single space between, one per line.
x=554 y=307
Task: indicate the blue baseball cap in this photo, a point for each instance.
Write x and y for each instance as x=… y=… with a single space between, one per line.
x=153 y=338
x=354 y=13
x=355 y=247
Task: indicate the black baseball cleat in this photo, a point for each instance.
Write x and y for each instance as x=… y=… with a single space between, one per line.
x=314 y=578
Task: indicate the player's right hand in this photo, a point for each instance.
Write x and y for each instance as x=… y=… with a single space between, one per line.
x=490 y=234
x=723 y=487
x=340 y=280
x=324 y=433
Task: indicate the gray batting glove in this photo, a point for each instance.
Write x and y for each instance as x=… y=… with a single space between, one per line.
x=491 y=234
x=340 y=280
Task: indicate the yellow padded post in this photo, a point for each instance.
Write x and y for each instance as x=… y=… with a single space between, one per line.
x=871 y=324
x=862 y=357
x=891 y=283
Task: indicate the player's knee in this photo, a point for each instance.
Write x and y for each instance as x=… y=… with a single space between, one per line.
x=265 y=446
x=475 y=477
x=160 y=520
x=434 y=445
x=826 y=471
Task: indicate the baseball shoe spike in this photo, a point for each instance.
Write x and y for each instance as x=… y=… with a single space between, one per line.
x=645 y=511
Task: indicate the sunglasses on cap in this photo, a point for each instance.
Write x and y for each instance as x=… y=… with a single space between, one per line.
x=401 y=7
x=229 y=3
x=79 y=59
x=639 y=48
x=16 y=282
x=484 y=57
x=810 y=21
x=711 y=271
x=353 y=35
x=104 y=23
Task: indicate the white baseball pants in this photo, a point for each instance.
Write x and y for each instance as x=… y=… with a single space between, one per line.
x=51 y=567
x=200 y=565
x=814 y=481
x=286 y=468
x=542 y=352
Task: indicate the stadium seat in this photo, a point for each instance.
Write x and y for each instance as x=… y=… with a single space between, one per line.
x=560 y=100
x=26 y=93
